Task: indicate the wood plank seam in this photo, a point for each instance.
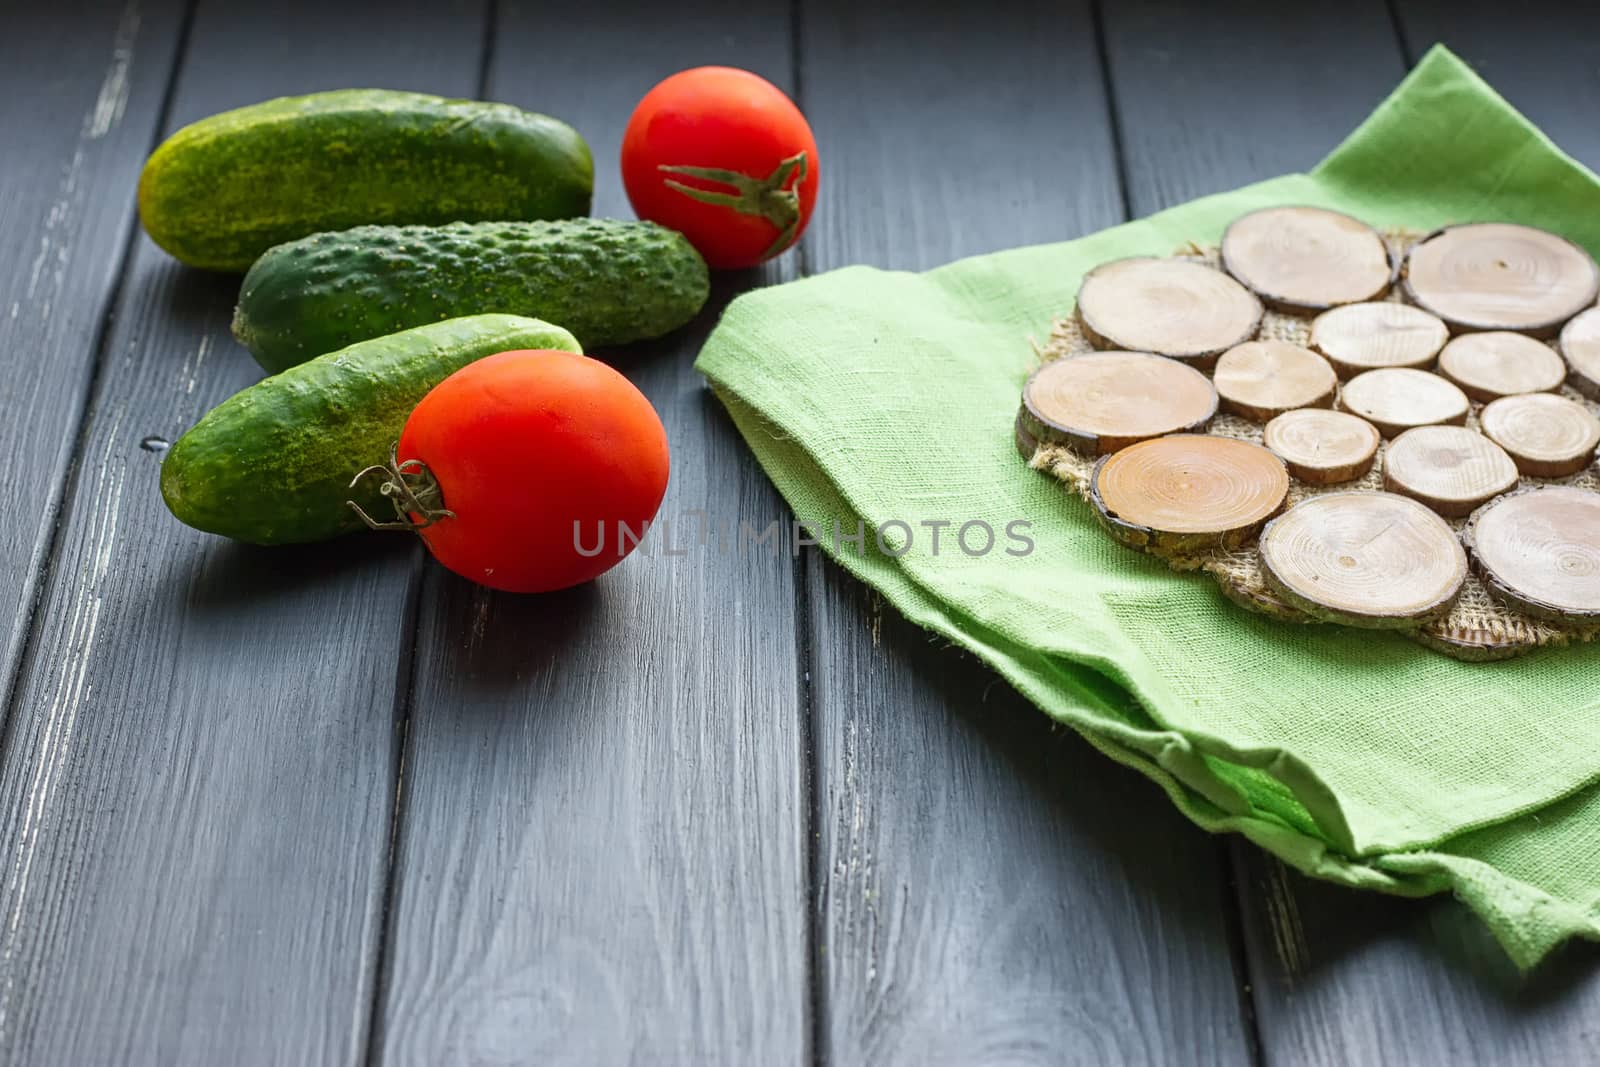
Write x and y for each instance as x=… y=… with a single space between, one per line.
x=107 y=109
x=1237 y=915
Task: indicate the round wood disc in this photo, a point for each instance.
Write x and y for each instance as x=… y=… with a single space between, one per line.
x=1451 y=469
x=1500 y=363
x=1260 y=379
x=1547 y=435
x=1363 y=337
x=1367 y=559
x=1189 y=491
x=1102 y=401
x=1322 y=447
x=1580 y=343
x=1167 y=306
x=1539 y=552
x=1498 y=276
x=1397 y=399
x=1302 y=259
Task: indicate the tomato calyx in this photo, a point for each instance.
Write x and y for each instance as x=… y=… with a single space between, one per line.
x=411 y=488
x=773 y=198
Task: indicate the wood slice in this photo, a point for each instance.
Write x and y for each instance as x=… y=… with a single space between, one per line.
x=1580 y=343
x=1363 y=337
x=1548 y=436
x=1323 y=447
x=1539 y=553
x=1167 y=306
x=1498 y=276
x=1397 y=399
x=1099 y=402
x=1307 y=259
x=1375 y=560
x=1026 y=443
x=1188 y=492
x=1500 y=363
x=1451 y=469
x=1261 y=379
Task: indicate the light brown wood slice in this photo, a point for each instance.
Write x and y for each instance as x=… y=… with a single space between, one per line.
x=1539 y=553
x=1306 y=259
x=1375 y=560
x=1363 y=337
x=1261 y=379
x=1580 y=343
x=1099 y=402
x=1499 y=276
x=1499 y=363
x=1397 y=399
x=1323 y=447
x=1188 y=492
x=1548 y=436
x=1170 y=307
x=1451 y=469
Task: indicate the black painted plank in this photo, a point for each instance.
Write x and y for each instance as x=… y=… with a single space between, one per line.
x=1343 y=977
x=81 y=88
x=601 y=853
x=1211 y=96
x=976 y=903
x=199 y=773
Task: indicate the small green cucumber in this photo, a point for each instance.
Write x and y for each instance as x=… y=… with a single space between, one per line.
x=220 y=192
x=272 y=464
x=608 y=281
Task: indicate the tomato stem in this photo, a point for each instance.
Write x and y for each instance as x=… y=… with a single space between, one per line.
x=411 y=488
x=773 y=198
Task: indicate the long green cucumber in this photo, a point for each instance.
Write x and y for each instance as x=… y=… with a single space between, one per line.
x=220 y=192
x=609 y=282
x=272 y=464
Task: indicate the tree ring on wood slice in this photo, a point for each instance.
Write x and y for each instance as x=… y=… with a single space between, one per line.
x=1539 y=552
x=1102 y=401
x=1500 y=276
x=1500 y=363
x=1307 y=259
x=1397 y=399
x=1188 y=492
x=1170 y=307
x=1374 y=560
x=1580 y=343
x=1547 y=435
x=1261 y=379
x=1363 y=337
x=1451 y=469
x=1323 y=447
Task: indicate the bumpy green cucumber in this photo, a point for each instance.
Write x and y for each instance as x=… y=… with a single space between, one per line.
x=609 y=282
x=273 y=464
x=222 y=191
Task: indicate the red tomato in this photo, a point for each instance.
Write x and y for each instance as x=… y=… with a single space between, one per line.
x=724 y=157
x=532 y=452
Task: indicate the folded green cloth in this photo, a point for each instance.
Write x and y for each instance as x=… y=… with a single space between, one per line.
x=873 y=396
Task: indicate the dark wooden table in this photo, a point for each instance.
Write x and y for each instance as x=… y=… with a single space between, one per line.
x=333 y=806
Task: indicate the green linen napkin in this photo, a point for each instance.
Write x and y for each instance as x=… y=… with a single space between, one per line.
x=873 y=396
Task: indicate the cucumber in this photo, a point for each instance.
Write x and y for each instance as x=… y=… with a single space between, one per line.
x=222 y=191
x=609 y=282
x=272 y=464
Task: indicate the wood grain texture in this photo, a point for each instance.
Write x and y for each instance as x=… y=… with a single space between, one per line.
x=1195 y=114
x=81 y=90
x=975 y=905
x=1343 y=977
x=199 y=769
x=601 y=858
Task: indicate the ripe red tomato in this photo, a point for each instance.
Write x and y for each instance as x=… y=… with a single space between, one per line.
x=531 y=451
x=724 y=157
